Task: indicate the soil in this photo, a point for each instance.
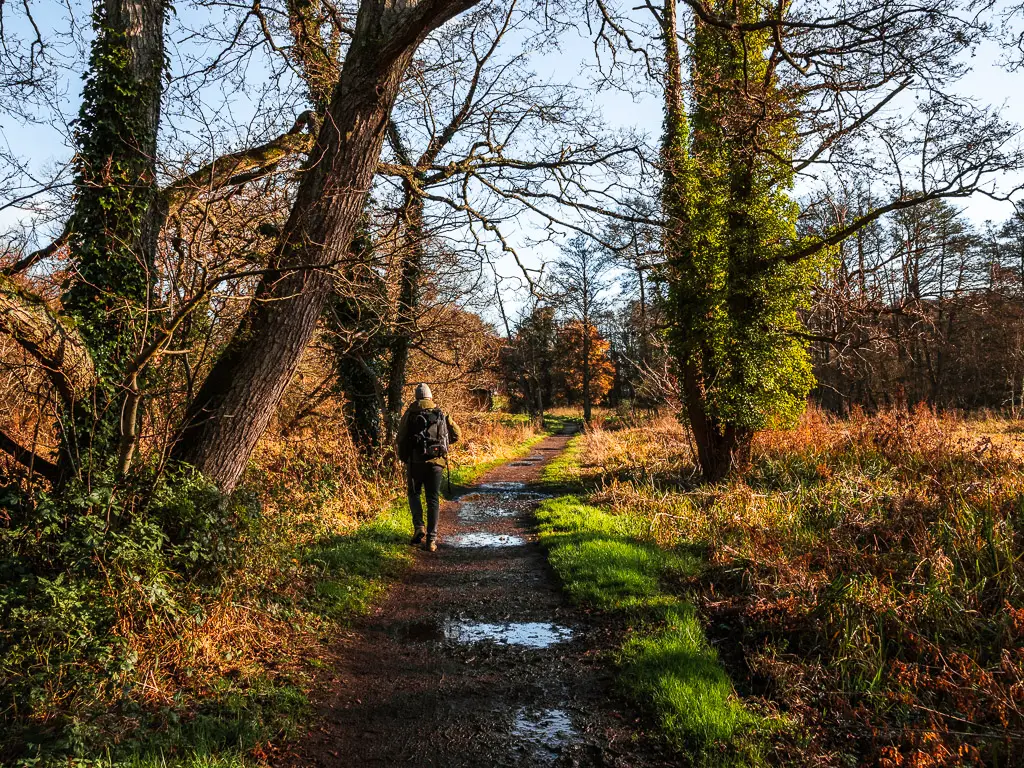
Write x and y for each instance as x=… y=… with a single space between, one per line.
x=476 y=658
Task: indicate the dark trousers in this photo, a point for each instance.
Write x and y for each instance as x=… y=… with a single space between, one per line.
x=426 y=478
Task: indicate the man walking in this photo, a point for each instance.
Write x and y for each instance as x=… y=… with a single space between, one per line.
x=424 y=435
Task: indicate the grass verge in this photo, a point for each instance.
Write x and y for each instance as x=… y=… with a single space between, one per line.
x=865 y=575
x=666 y=664
x=355 y=569
x=240 y=720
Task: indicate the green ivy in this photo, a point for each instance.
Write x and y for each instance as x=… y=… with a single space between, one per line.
x=112 y=241
x=74 y=565
x=733 y=297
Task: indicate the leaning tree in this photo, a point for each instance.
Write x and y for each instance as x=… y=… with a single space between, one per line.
x=98 y=347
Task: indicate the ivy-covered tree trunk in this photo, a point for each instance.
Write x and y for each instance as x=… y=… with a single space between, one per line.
x=114 y=228
x=235 y=404
x=732 y=300
x=359 y=382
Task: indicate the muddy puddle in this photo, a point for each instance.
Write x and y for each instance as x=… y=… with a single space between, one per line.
x=528 y=634
x=490 y=497
x=487 y=509
x=486 y=540
x=503 y=491
x=525 y=634
x=504 y=486
x=543 y=734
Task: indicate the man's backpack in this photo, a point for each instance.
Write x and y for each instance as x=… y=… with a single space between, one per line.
x=428 y=435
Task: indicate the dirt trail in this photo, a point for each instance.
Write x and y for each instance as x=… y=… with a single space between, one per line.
x=476 y=659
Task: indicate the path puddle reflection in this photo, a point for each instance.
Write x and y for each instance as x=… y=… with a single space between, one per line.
x=503 y=492
x=484 y=539
x=529 y=634
x=543 y=733
x=477 y=511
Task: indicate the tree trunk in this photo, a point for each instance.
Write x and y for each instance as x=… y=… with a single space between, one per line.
x=241 y=394
x=408 y=301
x=359 y=347
x=587 y=406
x=361 y=387
x=115 y=224
x=721 y=449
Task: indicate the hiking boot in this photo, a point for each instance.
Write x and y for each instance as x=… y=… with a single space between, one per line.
x=418 y=537
x=430 y=546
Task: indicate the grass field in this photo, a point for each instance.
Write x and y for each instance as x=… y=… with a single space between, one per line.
x=864 y=580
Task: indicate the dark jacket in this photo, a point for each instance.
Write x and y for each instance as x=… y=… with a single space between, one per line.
x=454 y=433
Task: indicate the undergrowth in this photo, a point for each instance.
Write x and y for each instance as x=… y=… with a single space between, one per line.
x=866 y=576
x=165 y=625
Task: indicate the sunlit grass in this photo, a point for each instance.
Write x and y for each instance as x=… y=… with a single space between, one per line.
x=872 y=564
x=354 y=570
x=666 y=663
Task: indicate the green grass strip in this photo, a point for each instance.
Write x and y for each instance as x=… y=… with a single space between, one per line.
x=666 y=664
x=356 y=568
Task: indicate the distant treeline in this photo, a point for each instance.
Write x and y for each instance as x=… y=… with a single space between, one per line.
x=923 y=307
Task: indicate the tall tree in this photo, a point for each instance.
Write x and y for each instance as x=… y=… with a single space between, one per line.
x=775 y=92
x=583 y=369
x=116 y=222
x=734 y=302
x=113 y=324
x=636 y=247
x=241 y=393
x=356 y=335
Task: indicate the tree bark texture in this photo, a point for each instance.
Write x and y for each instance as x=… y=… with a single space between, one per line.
x=236 y=402
x=721 y=448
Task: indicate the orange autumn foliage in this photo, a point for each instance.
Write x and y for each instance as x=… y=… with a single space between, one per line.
x=569 y=363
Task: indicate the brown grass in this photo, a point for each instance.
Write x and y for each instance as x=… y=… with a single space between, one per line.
x=867 y=574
